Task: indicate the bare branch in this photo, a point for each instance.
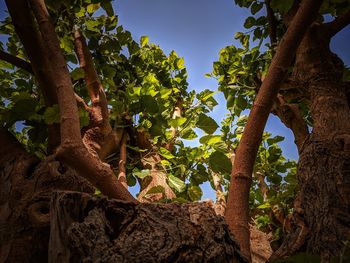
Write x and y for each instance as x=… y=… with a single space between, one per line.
x=72 y=151
x=339 y=23
x=20 y=63
x=290 y=115
x=93 y=83
x=122 y=162
x=272 y=23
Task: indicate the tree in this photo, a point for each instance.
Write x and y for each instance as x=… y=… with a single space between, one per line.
x=88 y=109
x=98 y=111
x=314 y=78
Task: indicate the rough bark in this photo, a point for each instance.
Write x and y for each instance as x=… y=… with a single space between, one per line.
x=26 y=184
x=91 y=229
x=237 y=211
x=158 y=176
x=322 y=217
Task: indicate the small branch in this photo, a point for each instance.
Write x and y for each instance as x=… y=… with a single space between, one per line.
x=220 y=203
x=290 y=116
x=176 y=114
x=264 y=188
x=339 y=23
x=122 y=162
x=20 y=63
x=272 y=23
x=81 y=102
x=93 y=83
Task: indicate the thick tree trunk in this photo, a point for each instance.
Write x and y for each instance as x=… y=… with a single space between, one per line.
x=322 y=207
x=26 y=184
x=78 y=227
x=93 y=229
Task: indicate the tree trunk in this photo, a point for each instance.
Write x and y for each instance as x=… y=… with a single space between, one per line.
x=38 y=224
x=322 y=207
x=94 y=229
x=26 y=184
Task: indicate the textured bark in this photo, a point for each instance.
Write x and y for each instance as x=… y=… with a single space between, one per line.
x=90 y=229
x=237 y=211
x=321 y=221
x=158 y=176
x=26 y=185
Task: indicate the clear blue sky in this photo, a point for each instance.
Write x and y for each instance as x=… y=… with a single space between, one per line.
x=197 y=30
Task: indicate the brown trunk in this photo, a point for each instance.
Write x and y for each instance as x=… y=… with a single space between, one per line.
x=88 y=229
x=38 y=224
x=322 y=216
x=26 y=185
x=237 y=211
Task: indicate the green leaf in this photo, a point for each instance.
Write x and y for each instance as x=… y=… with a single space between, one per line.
x=256 y=7
x=107 y=6
x=220 y=163
x=144 y=41
x=91 y=8
x=177 y=122
x=264 y=206
x=275 y=139
x=141 y=174
x=195 y=193
x=180 y=63
x=156 y=190
x=77 y=73
x=165 y=93
x=131 y=180
x=83 y=118
x=165 y=153
x=149 y=104
x=188 y=134
x=281 y=6
x=241 y=103
x=249 y=22
x=52 y=115
x=207 y=124
x=210 y=139
x=176 y=183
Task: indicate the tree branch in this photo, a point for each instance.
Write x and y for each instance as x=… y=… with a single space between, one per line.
x=72 y=151
x=290 y=115
x=339 y=23
x=93 y=83
x=237 y=211
x=34 y=47
x=122 y=161
x=272 y=23
x=20 y=63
